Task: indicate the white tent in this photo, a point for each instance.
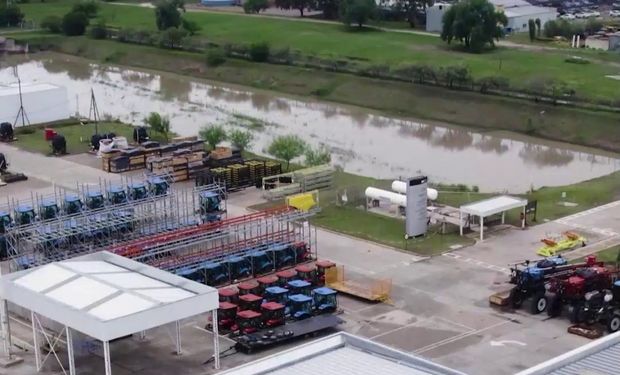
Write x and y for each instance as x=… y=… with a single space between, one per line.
x=42 y=103
x=104 y=296
x=491 y=206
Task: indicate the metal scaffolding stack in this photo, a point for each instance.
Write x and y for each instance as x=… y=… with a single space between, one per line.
x=264 y=232
x=65 y=236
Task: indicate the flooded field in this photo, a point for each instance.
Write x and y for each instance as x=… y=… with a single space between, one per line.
x=361 y=141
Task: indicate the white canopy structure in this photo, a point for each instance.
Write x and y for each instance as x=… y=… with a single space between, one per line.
x=106 y=297
x=492 y=206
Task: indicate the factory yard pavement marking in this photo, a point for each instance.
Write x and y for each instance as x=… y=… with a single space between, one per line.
x=569 y=220
x=459 y=337
x=476 y=262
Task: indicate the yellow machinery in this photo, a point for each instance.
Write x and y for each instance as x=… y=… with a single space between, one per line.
x=369 y=289
x=552 y=246
x=304 y=201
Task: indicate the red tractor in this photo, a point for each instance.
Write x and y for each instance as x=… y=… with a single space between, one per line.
x=321 y=267
x=250 y=302
x=571 y=291
x=306 y=272
x=266 y=282
x=248 y=287
x=273 y=314
x=226 y=315
x=248 y=321
x=228 y=295
x=285 y=276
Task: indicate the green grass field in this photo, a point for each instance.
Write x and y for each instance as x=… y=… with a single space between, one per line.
x=76 y=135
x=521 y=67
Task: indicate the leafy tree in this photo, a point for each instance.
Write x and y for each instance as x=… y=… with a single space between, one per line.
x=357 y=12
x=409 y=9
x=287 y=148
x=241 y=139
x=10 y=15
x=99 y=31
x=89 y=8
x=158 y=123
x=167 y=13
x=475 y=23
x=531 y=28
x=171 y=37
x=52 y=23
x=190 y=26
x=319 y=156
x=492 y=82
x=456 y=75
x=74 y=23
x=255 y=6
x=593 y=25
x=538 y=27
x=296 y=4
x=329 y=8
x=213 y=135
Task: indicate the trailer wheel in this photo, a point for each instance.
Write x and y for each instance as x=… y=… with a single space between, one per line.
x=554 y=307
x=613 y=324
x=574 y=313
x=516 y=298
x=538 y=303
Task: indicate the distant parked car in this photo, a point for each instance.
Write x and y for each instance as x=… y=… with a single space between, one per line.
x=614 y=13
x=568 y=16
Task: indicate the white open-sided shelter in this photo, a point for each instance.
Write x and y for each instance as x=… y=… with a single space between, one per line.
x=492 y=206
x=104 y=296
x=43 y=102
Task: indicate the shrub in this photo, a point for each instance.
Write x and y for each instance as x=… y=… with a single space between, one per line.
x=99 y=31
x=52 y=24
x=89 y=8
x=213 y=135
x=190 y=26
x=379 y=70
x=282 y=55
x=259 y=52
x=255 y=6
x=492 y=82
x=74 y=23
x=215 y=57
x=171 y=37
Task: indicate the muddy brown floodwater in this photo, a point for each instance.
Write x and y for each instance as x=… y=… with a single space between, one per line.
x=362 y=141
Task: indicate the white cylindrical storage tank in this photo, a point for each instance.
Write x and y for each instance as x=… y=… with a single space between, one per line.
x=401 y=187
x=385 y=195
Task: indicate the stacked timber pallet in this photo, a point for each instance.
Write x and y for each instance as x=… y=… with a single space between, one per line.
x=307 y=179
x=238 y=175
x=182 y=165
x=117 y=161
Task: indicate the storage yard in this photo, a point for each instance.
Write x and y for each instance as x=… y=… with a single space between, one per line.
x=437 y=307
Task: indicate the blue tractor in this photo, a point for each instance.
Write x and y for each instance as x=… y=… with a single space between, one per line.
x=24 y=215
x=261 y=263
x=137 y=191
x=94 y=200
x=325 y=300
x=157 y=186
x=239 y=267
x=210 y=206
x=48 y=210
x=194 y=273
x=5 y=223
x=299 y=287
x=529 y=281
x=276 y=294
x=72 y=204
x=299 y=306
x=116 y=195
x=216 y=274
x=283 y=255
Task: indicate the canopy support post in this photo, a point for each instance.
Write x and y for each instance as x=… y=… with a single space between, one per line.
x=216 y=340
x=106 y=358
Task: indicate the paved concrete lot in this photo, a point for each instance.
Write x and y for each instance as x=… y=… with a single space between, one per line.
x=439 y=305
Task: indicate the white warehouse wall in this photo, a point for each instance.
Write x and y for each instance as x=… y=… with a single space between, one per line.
x=519 y=23
x=42 y=103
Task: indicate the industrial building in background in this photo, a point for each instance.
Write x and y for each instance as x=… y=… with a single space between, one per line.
x=518 y=13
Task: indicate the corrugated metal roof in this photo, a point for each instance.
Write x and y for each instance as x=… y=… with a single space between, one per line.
x=604 y=362
x=342 y=354
x=347 y=360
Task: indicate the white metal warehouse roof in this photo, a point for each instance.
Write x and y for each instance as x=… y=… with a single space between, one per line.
x=107 y=296
x=340 y=354
x=600 y=357
x=493 y=205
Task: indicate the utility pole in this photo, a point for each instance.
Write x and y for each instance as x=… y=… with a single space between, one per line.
x=94 y=110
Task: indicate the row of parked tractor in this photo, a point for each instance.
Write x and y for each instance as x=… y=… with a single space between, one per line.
x=271 y=301
x=586 y=292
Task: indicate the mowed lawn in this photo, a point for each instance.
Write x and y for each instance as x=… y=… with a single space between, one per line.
x=521 y=67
